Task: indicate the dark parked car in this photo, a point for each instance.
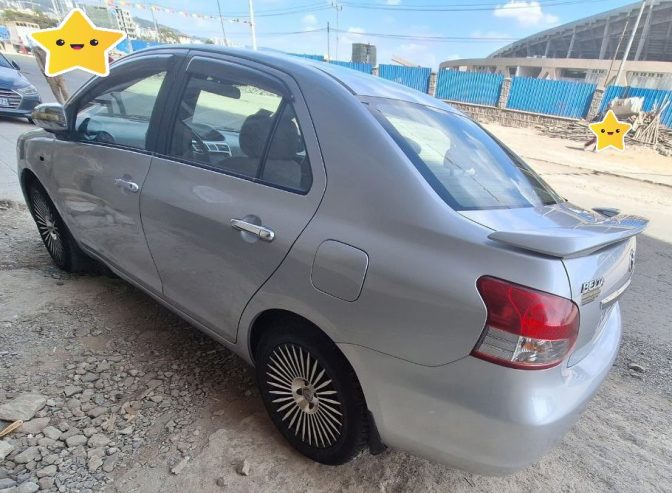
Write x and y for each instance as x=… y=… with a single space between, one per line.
x=18 y=97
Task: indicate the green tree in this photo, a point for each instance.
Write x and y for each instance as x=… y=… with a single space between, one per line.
x=168 y=35
x=38 y=18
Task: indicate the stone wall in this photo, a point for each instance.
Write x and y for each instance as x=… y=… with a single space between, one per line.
x=505 y=116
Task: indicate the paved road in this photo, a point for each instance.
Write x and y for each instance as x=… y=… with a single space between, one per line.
x=11 y=128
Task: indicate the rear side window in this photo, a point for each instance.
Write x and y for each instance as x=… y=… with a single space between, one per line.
x=467 y=167
x=226 y=126
x=287 y=163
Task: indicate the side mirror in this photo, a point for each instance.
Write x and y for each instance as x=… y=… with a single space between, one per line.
x=51 y=117
x=15 y=65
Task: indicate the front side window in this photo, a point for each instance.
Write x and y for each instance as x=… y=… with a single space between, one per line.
x=226 y=125
x=120 y=114
x=467 y=167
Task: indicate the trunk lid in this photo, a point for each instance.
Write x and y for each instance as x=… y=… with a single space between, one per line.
x=598 y=254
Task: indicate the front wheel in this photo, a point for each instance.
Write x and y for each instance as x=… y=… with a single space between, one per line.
x=55 y=235
x=311 y=394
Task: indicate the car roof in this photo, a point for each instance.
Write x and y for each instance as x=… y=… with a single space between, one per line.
x=358 y=83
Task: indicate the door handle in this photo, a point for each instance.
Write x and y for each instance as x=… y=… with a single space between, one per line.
x=260 y=231
x=128 y=185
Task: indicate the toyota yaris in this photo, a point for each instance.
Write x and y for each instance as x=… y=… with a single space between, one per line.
x=396 y=274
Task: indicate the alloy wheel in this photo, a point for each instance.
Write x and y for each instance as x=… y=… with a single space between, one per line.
x=304 y=396
x=48 y=226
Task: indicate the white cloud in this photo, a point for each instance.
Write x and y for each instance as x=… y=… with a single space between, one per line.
x=526 y=13
x=309 y=20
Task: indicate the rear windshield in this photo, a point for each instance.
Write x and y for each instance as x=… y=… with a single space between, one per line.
x=464 y=164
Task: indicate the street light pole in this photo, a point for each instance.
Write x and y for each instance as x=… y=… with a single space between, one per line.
x=253 y=25
x=221 y=23
x=629 y=45
x=156 y=25
x=338 y=8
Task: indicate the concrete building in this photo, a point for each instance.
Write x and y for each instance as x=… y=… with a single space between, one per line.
x=591 y=49
x=125 y=22
x=364 y=53
x=100 y=16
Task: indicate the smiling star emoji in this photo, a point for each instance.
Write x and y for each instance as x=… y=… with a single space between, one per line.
x=77 y=43
x=610 y=132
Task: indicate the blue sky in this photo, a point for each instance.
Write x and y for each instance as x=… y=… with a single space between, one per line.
x=503 y=19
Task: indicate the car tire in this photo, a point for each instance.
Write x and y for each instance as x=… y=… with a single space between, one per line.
x=55 y=235
x=311 y=393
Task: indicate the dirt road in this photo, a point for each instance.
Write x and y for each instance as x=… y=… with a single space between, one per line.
x=133 y=391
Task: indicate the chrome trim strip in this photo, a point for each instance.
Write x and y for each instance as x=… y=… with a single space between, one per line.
x=609 y=300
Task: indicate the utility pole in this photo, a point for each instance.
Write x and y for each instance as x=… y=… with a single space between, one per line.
x=221 y=23
x=629 y=45
x=156 y=25
x=253 y=25
x=338 y=8
x=328 y=43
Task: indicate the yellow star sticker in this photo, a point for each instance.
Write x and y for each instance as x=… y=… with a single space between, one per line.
x=77 y=43
x=610 y=132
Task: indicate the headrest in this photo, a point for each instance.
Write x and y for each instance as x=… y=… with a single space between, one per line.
x=286 y=141
x=254 y=132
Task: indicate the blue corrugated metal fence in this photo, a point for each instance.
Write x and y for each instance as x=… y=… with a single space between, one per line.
x=413 y=77
x=653 y=98
x=136 y=45
x=551 y=97
x=469 y=87
x=361 y=67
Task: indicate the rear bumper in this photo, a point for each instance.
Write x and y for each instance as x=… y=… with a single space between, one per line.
x=477 y=415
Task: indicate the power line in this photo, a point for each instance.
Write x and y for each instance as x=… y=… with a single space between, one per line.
x=441 y=39
x=443 y=7
x=430 y=38
x=463 y=7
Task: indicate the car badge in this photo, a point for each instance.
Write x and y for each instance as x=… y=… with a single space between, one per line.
x=590 y=290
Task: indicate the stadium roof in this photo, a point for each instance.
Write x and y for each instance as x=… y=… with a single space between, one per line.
x=598 y=36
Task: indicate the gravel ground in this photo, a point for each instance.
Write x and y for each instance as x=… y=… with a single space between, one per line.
x=124 y=396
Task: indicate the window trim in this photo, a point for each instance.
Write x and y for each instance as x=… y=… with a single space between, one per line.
x=272 y=82
x=120 y=71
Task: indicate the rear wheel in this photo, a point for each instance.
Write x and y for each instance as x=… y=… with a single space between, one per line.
x=311 y=394
x=60 y=244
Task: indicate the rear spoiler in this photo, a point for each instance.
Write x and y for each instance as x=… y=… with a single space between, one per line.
x=574 y=242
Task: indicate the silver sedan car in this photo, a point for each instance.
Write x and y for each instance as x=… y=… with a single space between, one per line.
x=397 y=276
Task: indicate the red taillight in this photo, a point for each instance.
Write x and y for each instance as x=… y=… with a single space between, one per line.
x=525 y=328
